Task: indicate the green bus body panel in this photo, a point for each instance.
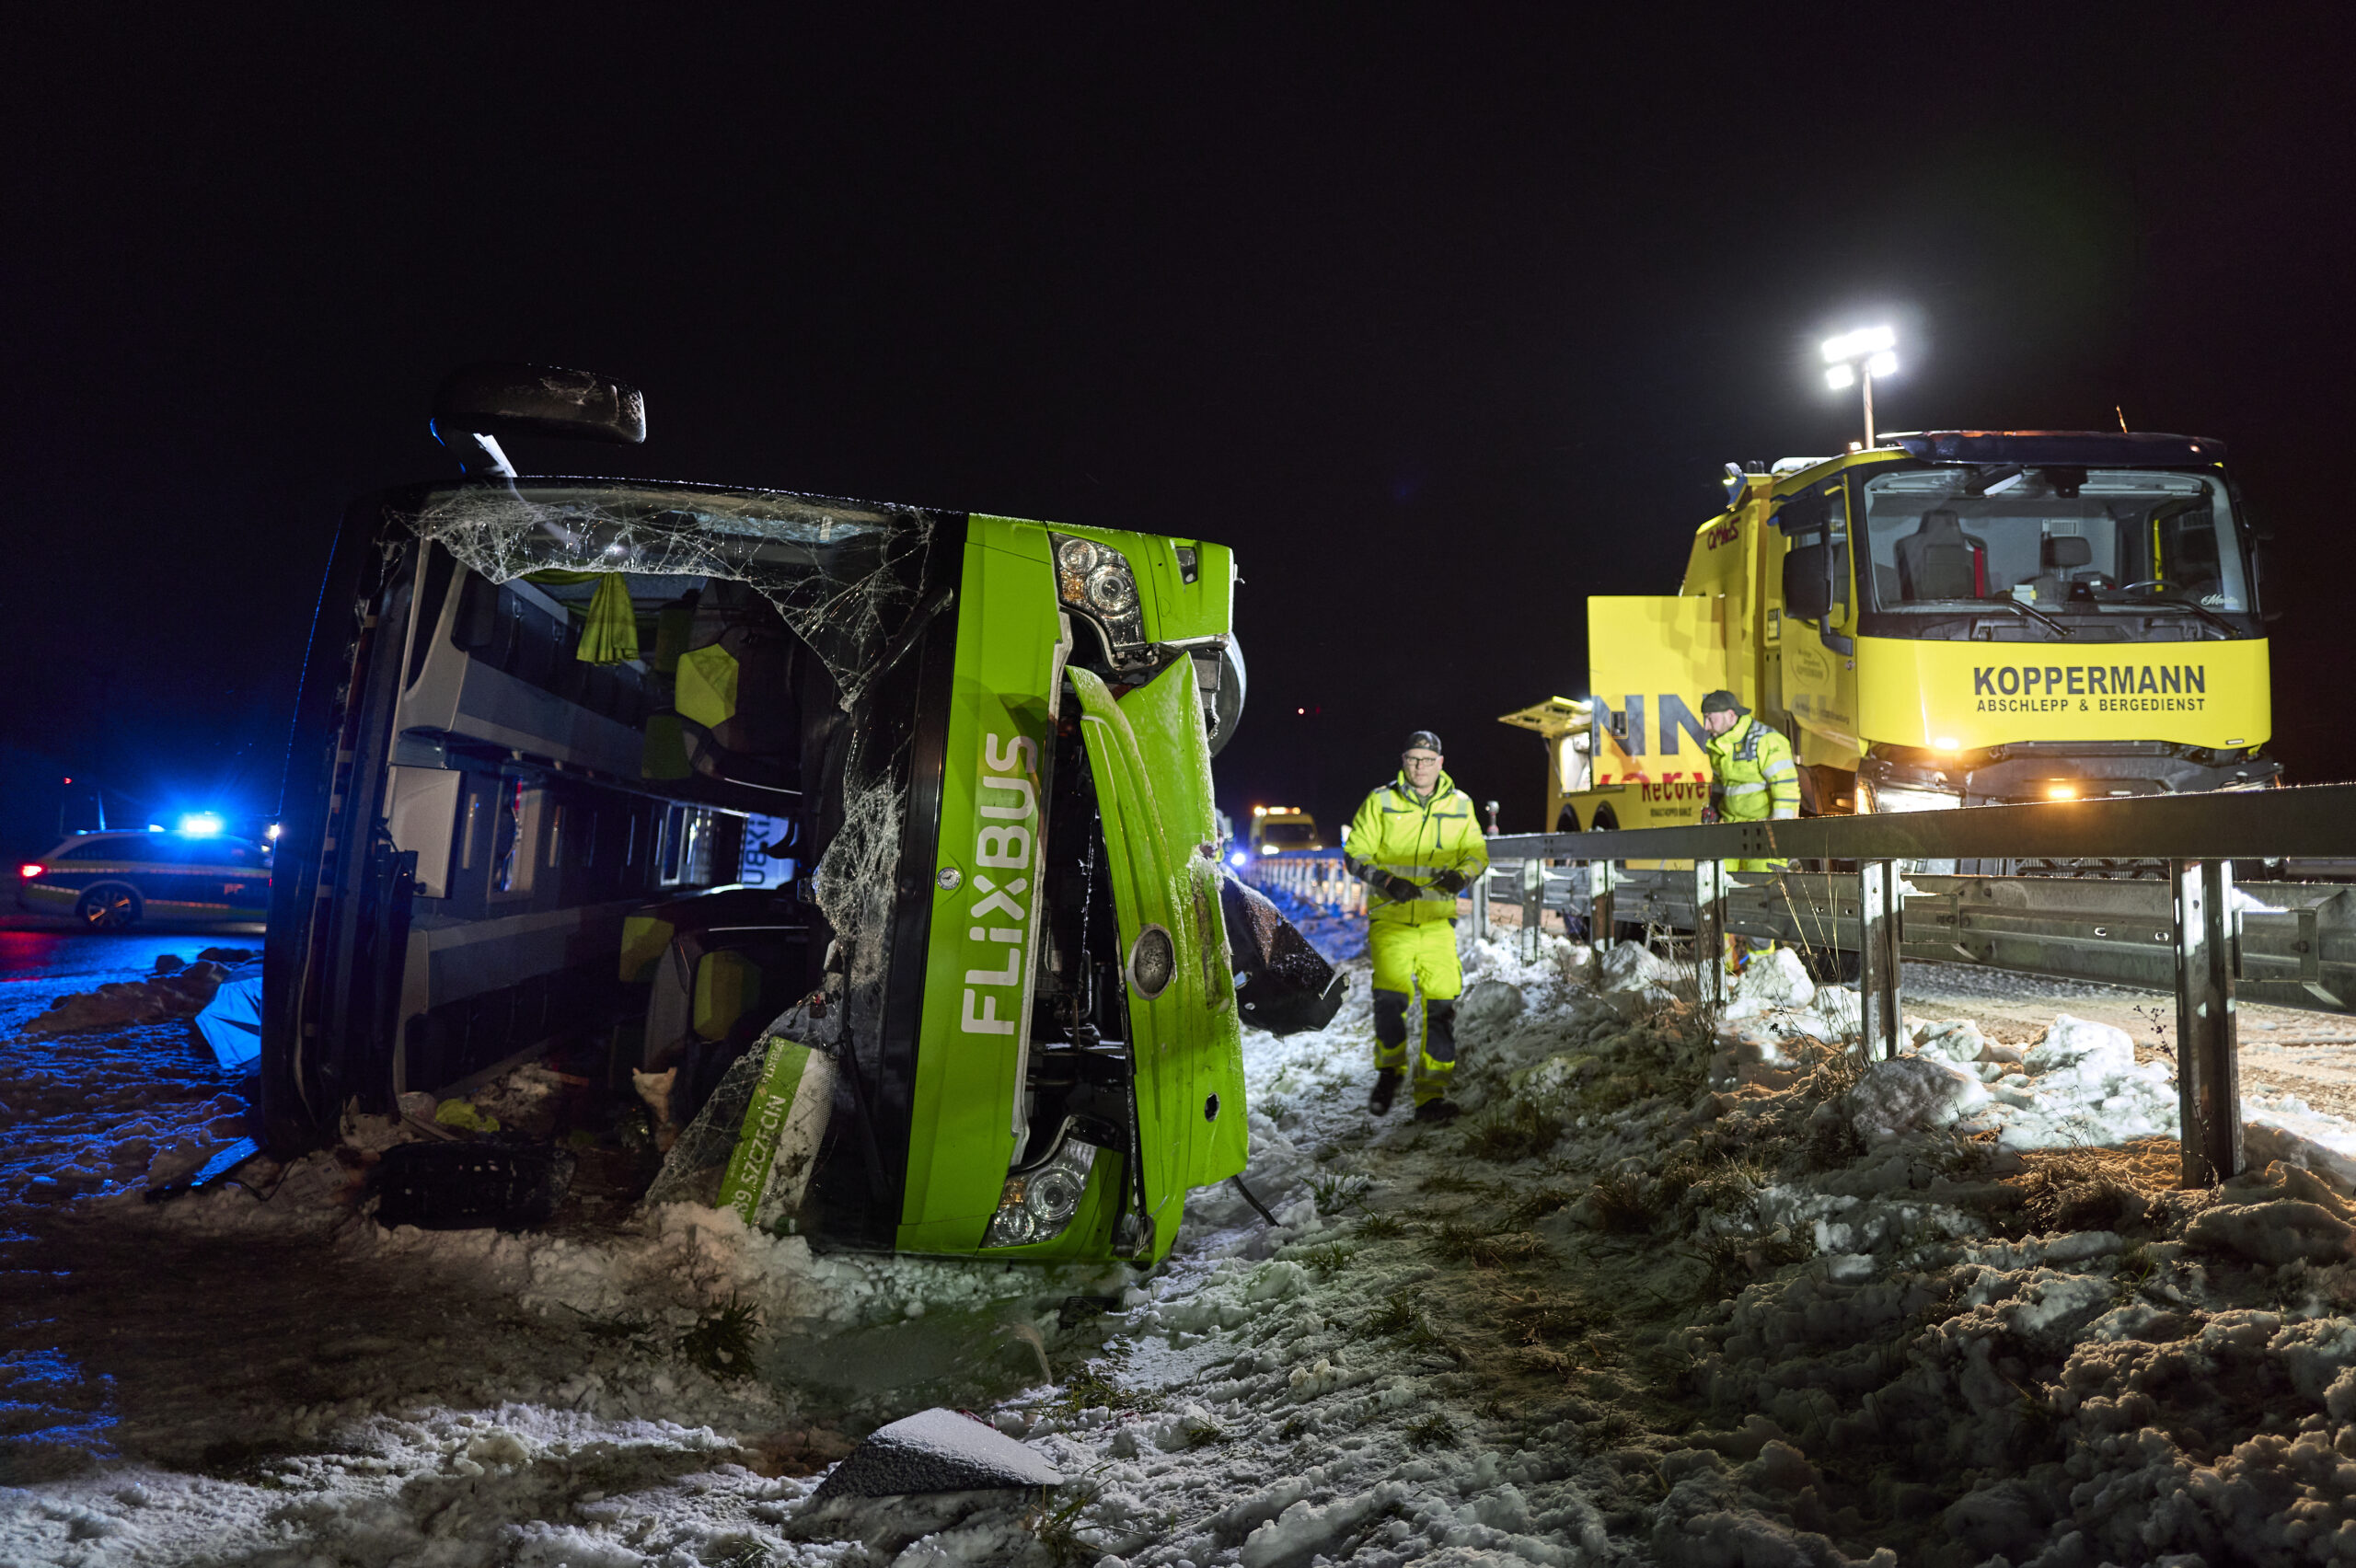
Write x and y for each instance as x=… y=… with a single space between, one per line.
x=1151 y=765
x=1166 y=717
x=1160 y=850
x=962 y=1132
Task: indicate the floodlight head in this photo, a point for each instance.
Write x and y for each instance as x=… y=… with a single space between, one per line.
x=1858 y=344
x=1840 y=375
x=1883 y=364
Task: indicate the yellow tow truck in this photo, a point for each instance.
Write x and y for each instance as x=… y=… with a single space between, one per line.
x=1276 y=828
x=1947 y=618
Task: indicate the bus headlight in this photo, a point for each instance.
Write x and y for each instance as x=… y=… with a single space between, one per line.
x=1038 y=1205
x=1096 y=581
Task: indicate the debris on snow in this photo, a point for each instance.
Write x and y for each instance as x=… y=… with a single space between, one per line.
x=935 y=1450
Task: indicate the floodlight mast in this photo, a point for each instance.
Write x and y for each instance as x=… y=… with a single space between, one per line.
x=1859 y=357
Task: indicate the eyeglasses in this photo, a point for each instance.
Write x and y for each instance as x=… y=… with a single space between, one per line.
x=1418 y=756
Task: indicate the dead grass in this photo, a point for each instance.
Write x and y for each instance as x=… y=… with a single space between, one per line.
x=1432 y=1431
x=1091 y=1388
x=1623 y=1205
x=722 y=1340
x=1521 y=1131
x=1337 y=1190
x=1543 y=1317
x=2096 y=1188
x=1461 y=1241
x=1531 y=1204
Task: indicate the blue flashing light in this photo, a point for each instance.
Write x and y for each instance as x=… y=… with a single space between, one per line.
x=201 y=825
x=155 y=827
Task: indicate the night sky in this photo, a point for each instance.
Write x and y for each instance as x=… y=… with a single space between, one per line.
x=1444 y=326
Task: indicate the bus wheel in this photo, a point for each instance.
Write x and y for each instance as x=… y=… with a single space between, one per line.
x=108 y=908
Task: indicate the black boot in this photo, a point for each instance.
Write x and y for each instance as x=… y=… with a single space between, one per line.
x=1386 y=1089
x=1436 y=1111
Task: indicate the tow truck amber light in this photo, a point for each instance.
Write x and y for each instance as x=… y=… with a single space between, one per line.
x=2061 y=791
x=30 y=871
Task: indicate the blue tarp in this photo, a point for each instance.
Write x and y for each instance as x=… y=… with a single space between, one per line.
x=231 y=1023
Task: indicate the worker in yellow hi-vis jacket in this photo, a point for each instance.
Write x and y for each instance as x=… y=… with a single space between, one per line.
x=1752 y=775
x=1416 y=845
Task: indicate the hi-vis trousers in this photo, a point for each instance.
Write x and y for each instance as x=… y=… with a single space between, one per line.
x=1406 y=957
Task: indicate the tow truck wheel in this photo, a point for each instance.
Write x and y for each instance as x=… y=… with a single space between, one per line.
x=108 y=908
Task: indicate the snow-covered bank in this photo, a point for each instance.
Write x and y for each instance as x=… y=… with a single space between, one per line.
x=1679 y=1288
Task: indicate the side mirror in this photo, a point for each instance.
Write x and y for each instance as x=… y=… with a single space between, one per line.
x=1807 y=593
x=2261 y=563
x=492 y=398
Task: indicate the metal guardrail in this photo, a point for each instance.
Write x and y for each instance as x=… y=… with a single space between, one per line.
x=1315 y=876
x=2199 y=837
x=2293 y=943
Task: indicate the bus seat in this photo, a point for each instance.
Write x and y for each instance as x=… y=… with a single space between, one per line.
x=728 y=989
x=645 y=939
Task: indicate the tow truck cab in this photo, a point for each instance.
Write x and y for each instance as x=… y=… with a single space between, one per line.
x=1951 y=617
x=638 y=767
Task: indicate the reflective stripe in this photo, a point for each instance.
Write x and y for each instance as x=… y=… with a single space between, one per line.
x=1744 y=789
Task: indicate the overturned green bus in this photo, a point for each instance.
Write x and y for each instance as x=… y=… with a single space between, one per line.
x=686 y=773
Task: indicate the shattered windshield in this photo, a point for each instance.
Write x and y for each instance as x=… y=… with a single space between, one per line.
x=2067 y=539
x=844 y=575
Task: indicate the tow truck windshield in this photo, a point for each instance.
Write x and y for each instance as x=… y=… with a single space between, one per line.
x=2084 y=551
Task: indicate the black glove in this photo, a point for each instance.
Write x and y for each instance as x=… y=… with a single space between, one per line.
x=1450 y=881
x=1399 y=890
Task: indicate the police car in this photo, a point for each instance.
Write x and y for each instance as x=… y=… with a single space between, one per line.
x=108 y=881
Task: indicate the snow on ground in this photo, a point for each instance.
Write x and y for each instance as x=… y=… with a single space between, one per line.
x=1680 y=1287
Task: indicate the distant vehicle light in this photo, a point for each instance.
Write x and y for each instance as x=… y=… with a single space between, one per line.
x=1240 y=858
x=155 y=827
x=1259 y=811
x=30 y=871
x=272 y=834
x=201 y=825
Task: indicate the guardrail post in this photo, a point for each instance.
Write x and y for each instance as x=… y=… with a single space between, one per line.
x=1877 y=948
x=1480 y=907
x=1709 y=931
x=1603 y=877
x=2208 y=1070
x=1533 y=906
